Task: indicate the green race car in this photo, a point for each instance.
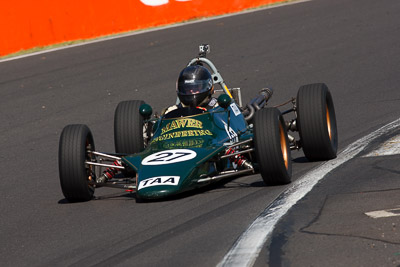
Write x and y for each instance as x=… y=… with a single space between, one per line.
x=188 y=147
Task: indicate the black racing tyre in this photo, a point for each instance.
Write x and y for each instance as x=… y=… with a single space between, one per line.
x=128 y=127
x=272 y=147
x=316 y=122
x=75 y=175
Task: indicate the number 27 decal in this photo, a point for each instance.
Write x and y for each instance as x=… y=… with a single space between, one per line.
x=169 y=157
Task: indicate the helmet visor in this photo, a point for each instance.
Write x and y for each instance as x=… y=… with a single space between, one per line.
x=193 y=100
x=191 y=87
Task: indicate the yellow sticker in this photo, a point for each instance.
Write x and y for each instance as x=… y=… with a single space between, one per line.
x=182 y=123
x=178 y=134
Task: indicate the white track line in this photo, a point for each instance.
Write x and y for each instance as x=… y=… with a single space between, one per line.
x=383 y=213
x=247 y=248
x=390 y=147
x=140 y=31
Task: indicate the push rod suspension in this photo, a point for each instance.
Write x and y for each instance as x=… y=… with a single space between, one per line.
x=237 y=153
x=240 y=143
x=105 y=165
x=105 y=155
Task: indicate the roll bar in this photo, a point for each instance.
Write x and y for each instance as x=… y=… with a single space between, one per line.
x=216 y=76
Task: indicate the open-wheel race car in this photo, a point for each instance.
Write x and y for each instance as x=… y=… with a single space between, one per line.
x=191 y=147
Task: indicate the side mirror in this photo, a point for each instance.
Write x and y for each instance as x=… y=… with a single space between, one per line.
x=224 y=101
x=145 y=110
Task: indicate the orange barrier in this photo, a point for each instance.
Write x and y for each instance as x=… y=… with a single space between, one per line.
x=26 y=24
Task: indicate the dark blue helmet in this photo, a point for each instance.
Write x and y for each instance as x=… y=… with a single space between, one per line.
x=194 y=85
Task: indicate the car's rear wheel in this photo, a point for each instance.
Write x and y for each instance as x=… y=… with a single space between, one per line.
x=128 y=127
x=272 y=147
x=316 y=121
x=76 y=177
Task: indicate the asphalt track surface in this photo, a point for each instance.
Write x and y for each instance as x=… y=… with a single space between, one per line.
x=352 y=46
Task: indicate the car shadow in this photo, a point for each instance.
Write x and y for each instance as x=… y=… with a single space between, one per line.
x=226 y=184
x=300 y=160
x=123 y=196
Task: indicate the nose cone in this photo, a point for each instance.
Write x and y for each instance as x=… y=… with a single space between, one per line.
x=169 y=172
x=159 y=186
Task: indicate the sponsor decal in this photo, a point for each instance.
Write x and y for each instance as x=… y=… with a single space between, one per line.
x=231 y=133
x=235 y=109
x=183 y=143
x=171 y=130
x=179 y=134
x=233 y=138
x=182 y=123
x=213 y=102
x=159 y=180
x=159 y=2
x=169 y=157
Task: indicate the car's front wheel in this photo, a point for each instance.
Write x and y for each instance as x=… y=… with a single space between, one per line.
x=128 y=127
x=76 y=177
x=272 y=147
x=316 y=121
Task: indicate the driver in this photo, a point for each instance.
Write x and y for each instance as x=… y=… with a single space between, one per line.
x=194 y=88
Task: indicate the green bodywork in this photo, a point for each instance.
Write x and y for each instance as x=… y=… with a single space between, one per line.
x=186 y=149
